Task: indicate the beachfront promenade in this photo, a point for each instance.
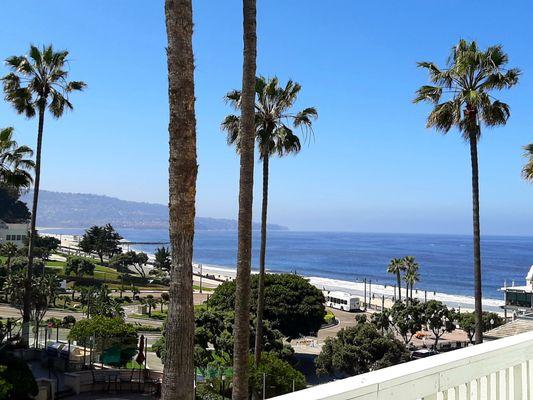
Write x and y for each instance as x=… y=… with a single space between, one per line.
x=501 y=369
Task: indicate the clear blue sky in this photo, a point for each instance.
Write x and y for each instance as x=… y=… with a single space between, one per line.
x=372 y=166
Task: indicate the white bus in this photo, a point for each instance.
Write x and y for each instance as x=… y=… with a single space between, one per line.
x=341 y=300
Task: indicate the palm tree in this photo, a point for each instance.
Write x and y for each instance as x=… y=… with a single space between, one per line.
x=273 y=137
x=461 y=96
x=178 y=377
x=15 y=162
x=241 y=328
x=411 y=274
x=396 y=266
x=527 y=170
x=38 y=82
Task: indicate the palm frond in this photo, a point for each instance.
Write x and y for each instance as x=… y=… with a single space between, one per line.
x=428 y=93
x=497 y=113
x=527 y=170
x=444 y=116
x=44 y=81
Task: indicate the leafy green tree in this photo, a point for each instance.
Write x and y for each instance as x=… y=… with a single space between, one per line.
x=462 y=96
x=107 y=332
x=215 y=329
x=38 y=82
x=273 y=115
x=439 y=319
x=43 y=246
x=280 y=377
x=527 y=170
x=381 y=320
x=102 y=240
x=11 y=208
x=396 y=266
x=79 y=266
x=359 y=349
x=16 y=164
x=293 y=305
x=21 y=263
x=122 y=262
x=467 y=322
x=8 y=250
x=407 y=319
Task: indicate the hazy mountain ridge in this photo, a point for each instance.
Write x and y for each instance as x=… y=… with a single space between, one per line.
x=79 y=210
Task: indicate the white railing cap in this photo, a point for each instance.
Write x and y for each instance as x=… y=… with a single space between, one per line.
x=428 y=375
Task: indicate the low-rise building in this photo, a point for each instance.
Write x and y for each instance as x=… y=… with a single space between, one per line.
x=519 y=299
x=15 y=233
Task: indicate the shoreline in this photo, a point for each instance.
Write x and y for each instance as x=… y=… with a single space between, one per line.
x=466 y=303
x=375 y=291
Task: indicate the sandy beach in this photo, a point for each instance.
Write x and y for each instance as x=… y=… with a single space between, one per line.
x=375 y=291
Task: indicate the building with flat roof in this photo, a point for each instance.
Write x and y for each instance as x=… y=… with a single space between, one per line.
x=13 y=233
x=519 y=299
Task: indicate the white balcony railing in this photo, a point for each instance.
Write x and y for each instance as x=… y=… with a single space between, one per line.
x=501 y=369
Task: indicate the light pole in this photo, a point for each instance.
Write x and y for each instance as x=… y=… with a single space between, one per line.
x=264 y=385
x=201 y=275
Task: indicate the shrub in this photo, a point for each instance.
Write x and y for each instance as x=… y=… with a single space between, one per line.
x=206 y=392
x=280 y=376
x=329 y=318
x=68 y=321
x=21 y=384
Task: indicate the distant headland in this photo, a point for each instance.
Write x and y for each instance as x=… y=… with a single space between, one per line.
x=80 y=210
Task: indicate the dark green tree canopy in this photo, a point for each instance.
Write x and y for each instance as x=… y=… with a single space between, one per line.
x=215 y=329
x=102 y=240
x=462 y=92
x=467 y=322
x=407 y=318
x=79 y=266
x=280 y=376
x=440 y=319
x=122 y=262
x=292 y=304
x=359 y=349
x=12 y=210
x=43 y=246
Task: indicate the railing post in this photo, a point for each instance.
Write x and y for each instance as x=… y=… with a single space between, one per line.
x=517 y=382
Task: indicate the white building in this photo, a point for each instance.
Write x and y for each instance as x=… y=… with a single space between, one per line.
x=14 y=233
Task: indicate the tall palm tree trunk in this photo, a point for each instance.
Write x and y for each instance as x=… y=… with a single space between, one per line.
x=477 y=239
x=178 y=377
x=244 y=251
x=26 y=311
x=399 y=279
x=262 y=256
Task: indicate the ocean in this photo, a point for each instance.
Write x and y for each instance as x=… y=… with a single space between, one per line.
x=445 y=260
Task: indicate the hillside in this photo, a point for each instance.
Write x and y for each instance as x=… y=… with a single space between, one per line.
x=76 y=210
